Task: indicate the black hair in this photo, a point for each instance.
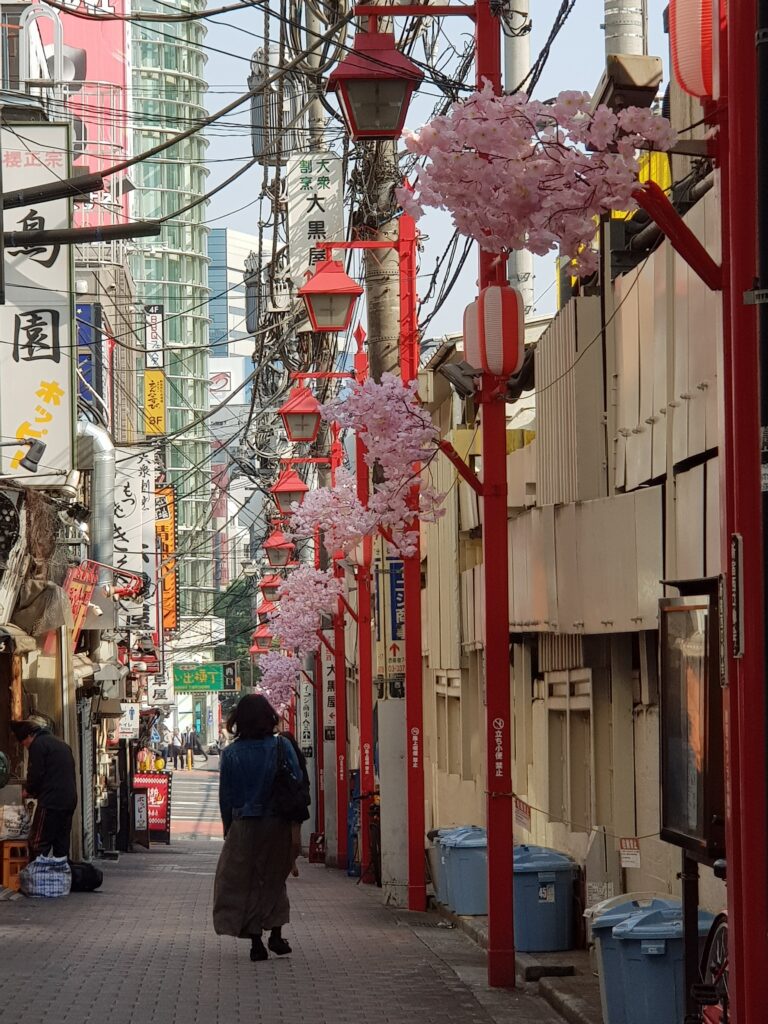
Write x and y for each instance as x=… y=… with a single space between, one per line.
x=23 y=730
x=252 y=718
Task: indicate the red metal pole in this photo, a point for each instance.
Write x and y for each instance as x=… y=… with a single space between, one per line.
x=365 y=644
x=414 y=698
x=745 y=727
x=340 y=691
x=498 y=732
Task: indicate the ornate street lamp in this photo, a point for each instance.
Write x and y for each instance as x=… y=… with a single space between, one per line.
x=269 y=587
x=330 y=296
x=300 y=415
x=374 y=84
x=262 y=640
x=288 y=489
x=278 y=549
x=264 y=610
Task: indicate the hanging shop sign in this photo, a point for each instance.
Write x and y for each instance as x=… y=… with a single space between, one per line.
x=215 y=676
x=37 y=395
x=315 y=210
x=165 y=526
x=306 y=719
x=135 y=541
x=154 y=336
x=157 y=786
x=154 y=402
x=129 y=723
x=79 y=585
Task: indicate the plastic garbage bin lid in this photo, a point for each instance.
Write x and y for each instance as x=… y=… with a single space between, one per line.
x=466 y=837
x=541 y=858
x=622 y=907
x=658 y=924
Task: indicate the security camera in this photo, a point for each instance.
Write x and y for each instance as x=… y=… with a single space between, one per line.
x=461 y=376
x=95 y=610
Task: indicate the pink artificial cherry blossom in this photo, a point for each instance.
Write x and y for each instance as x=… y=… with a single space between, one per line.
x=279 y=678
x=305 y=597
x=520 y=174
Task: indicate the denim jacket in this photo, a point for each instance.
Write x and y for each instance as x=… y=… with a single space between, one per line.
x=246 y=775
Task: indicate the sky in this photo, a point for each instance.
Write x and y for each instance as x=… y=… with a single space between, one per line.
x=576 y=62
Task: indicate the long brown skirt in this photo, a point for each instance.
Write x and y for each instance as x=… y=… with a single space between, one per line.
x=249 y=894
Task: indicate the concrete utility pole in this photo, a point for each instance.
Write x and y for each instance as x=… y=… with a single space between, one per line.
x=517 y=64
x=626 y=26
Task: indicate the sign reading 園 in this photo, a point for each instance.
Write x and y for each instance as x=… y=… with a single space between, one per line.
x=189 y=677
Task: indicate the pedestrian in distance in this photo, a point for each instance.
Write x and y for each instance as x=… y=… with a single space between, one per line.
x=177 y=749
x=51 y=780
x=250 y=894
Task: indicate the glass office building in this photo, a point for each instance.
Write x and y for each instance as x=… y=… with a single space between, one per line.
x=169 y=87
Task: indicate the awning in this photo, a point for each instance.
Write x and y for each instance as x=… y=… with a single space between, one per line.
x=14 y=640
x=82 y=667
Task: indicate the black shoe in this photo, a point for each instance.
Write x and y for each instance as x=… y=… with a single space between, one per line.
x=278 y=945
x=258 y=952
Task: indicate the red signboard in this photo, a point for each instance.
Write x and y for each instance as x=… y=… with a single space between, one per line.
x=79 y=585
x=158 y=787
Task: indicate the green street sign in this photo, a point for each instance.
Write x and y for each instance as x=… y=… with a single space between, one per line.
x=189 y=677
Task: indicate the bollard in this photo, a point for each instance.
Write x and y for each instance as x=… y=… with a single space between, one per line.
x=190 y=762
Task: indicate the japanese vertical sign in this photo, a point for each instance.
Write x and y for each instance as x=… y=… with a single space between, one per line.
x=315 y=210
x=154 y=376
x=135 y=533
x=390 y=625
x=329 y=690
x=36 y=386
x=165 y=524
x=79 y=584
x=306 y=718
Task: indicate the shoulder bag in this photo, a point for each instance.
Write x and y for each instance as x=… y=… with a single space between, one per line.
x=289 y=800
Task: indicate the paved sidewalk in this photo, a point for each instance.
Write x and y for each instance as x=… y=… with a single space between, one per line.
x=143 y=949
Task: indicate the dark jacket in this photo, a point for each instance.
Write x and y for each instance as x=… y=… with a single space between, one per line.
x=51 y=773
x=246 y=776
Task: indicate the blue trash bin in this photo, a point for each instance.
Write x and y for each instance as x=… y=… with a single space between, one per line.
x=650 y=954
x=612 y=994
x=438 y=864
x=543 y=881
x=466 y=870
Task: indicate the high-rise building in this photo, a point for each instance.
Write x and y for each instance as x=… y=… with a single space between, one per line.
x=172 y=271
x=228 y=250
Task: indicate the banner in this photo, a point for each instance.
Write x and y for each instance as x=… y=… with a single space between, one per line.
x=165 y=526
x=135 y=538
x=154 y=331
x=315 y=210
x=154 y=402
x=37 y=400
x=79 y=585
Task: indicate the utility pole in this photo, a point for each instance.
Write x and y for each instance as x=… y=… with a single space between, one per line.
x=626 y=27
x=382 y=295
x=517 y=64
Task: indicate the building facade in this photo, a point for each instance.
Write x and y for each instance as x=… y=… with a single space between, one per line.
x=172 y=272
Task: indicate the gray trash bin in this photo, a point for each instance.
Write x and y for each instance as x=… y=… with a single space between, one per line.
x=543 y=881
x=605 y=917
x=650 y=954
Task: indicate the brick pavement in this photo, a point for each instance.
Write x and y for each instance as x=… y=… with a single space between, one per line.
x=143 y=950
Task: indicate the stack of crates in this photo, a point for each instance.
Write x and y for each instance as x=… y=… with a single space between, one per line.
x=15 y=857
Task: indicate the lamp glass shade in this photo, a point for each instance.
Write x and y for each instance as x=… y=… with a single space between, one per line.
x=270 y=586
x=278 y=557
x=285 y=499
x=301 y=415
x=330 y=312
x=302 y=426
x=288 y=489
x=376 y=107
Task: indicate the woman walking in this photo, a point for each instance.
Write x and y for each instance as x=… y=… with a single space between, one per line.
x=250 y=894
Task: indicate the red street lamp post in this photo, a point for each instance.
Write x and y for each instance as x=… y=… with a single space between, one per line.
x=262 y=640
x=278 y=549
x=330 y=296
x=501 y=955
x=265 y=609
x=289 y=489
x=374 y=84
x=270 y=586
x=300 y=415
x=405 y=246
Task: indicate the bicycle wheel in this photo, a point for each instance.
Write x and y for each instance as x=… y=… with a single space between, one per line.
x=714 y=969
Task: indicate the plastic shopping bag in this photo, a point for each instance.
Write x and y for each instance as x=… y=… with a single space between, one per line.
x=46 y=877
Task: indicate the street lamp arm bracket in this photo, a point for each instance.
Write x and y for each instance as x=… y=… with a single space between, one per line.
x=461 y=467
x=654 y=201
